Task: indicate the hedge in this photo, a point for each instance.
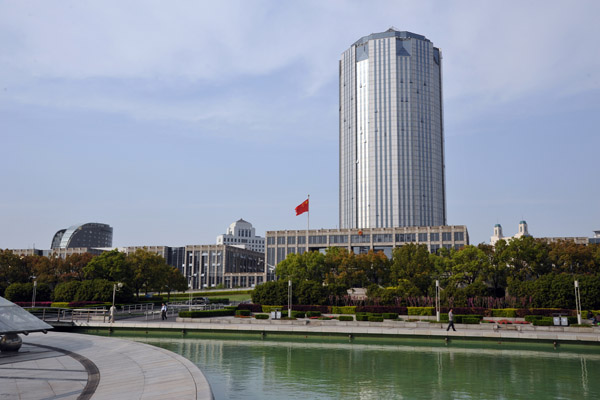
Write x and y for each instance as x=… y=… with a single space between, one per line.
x=460 y=319
x=206 y=313
x=390 y=316
x=298 y=314
x=343 y=310
x=421 y=310
x=545 y=321
x=261 y=316
x=268 y=309
x=504 y=312
x=218 y=300
x=37 y=304
x=313 y=314
x=346 y=318
x=382 y=309
x=255 y=308
x=375 y=319
x=243 y=313
x=60 y=304
x=362 y=317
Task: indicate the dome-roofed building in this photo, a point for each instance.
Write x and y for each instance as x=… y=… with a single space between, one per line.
x=242 y=234
x=90 y=235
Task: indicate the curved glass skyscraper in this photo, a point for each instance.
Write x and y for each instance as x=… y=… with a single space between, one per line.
x=391 y=133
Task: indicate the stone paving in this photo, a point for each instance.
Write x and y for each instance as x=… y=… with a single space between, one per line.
x=71 y=366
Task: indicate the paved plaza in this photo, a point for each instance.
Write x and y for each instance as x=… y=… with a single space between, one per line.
x=72 y=366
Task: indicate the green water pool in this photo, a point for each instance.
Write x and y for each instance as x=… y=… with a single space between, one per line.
x=244 y=366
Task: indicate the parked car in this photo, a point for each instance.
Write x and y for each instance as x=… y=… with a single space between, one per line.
x=200 y=300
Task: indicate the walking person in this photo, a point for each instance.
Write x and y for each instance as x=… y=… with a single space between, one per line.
x=163 y=312
x=450 y=321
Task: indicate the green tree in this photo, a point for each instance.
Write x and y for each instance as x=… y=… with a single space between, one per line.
x=111 y=265
x=66 y=291
x=173 y=280
x=412 y=262
x=148 y=270
x=496 y=275
x=273 y=293
x=470 y=265
x=309 y=266
x=528 y=258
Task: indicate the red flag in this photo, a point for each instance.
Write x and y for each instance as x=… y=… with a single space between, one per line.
x=302 y=208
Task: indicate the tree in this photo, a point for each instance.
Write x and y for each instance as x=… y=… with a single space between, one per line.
x=528 y=258
x=309 y=266
x=73 y=267
x=470 y=265
x=111 y=265
x=148 y=270
x=497 y=268
x=412 y=262
x=13 y=269
x=375 y=265
x=45 y=269
x=273 y=293
x=173 y=280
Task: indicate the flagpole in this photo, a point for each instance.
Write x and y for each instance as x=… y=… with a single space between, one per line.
x=308 y=216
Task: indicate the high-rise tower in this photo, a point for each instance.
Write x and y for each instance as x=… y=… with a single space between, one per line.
x=391 y=133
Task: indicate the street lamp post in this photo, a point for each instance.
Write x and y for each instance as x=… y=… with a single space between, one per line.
x=290 y=299
x=578 y=302
x=120 y=285
x=437 y=300
x=34 y=293
x=190 y=287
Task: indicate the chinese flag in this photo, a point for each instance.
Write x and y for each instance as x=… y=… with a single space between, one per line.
x=302 y=208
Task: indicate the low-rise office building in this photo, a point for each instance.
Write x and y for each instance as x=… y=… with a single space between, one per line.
x=282 y=243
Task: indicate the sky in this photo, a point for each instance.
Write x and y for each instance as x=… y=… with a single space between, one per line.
x=171 y=120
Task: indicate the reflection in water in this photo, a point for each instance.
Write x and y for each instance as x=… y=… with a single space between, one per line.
x=308 y=369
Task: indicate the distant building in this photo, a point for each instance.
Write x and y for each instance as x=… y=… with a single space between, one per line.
x=523 y=231
x=174 y=256
x=241 y=234
x=206 y=266
x=90 y=235
x=596 y=238
x=282 y=243
x=391 y=148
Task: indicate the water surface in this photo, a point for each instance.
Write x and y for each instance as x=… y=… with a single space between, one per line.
x=248 y=367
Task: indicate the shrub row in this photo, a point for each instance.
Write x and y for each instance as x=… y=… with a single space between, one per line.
x=421 y=310
x=343 y=310
x=346 y=318
x=206 y=313
x=255 y=308
x=261 y=316
x=37 y=304
x=243 y=313
x=218 y=300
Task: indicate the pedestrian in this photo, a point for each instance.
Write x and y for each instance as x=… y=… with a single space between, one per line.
x=450 y=321
x=113 y=310
x=163 y=312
